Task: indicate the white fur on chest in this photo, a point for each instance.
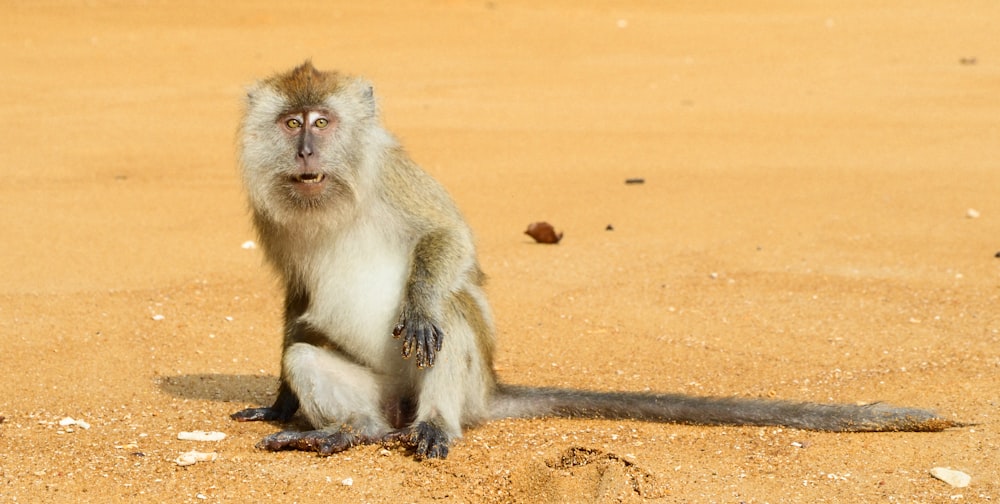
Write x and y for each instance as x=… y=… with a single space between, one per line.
x=356 y=289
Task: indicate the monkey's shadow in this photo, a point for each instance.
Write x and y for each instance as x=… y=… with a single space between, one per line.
x=246 y=390
x=253 y=389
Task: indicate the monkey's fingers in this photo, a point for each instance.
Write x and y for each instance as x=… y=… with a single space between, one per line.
x=439 y=338
x=409 y=344
x=435 y=338
x=425 y=356
x=431 y=338
x=421 y=338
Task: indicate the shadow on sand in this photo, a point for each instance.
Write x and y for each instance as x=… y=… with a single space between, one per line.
x=253 y=389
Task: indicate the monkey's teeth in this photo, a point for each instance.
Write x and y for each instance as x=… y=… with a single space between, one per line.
x=312 y=178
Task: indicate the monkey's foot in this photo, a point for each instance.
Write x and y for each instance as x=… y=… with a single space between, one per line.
x=321 y=442
x=424 y=438
x=420 y=336
x=257 y=415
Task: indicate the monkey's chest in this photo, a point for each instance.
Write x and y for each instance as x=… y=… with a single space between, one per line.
x=356 y=289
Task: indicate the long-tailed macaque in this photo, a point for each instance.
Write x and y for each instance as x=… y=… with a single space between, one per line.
x=379 y=266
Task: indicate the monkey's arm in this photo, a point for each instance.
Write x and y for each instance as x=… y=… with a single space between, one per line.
x=439 y=260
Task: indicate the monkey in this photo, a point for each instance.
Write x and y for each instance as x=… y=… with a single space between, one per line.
x=388 y=336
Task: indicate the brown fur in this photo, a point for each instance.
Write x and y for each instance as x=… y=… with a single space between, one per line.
x=305 y=86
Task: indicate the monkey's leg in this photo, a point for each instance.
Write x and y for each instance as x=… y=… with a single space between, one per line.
x=339 y=398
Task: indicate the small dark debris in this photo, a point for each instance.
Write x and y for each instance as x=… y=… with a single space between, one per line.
x=997 y=255
x=2 y=419
x=138 y=454
x=609 y=228
x=543 y=232
x=635 y=181
x=967 y=61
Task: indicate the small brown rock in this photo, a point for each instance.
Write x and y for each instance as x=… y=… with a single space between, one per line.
x=543 y=232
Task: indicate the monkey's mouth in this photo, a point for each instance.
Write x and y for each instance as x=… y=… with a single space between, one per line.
x=308 y=185
x=308 y=178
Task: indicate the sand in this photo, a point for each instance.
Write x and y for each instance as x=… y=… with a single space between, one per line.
x=818 y=222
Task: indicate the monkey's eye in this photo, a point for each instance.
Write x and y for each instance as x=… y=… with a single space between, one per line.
x=293 y=123
x=322 y=122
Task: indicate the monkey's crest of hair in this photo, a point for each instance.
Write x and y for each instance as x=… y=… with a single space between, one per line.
x=305 y=86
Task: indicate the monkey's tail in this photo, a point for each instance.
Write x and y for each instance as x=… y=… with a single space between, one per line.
x=526 y=402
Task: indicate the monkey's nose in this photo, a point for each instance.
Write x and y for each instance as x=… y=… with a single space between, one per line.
x=305 y=145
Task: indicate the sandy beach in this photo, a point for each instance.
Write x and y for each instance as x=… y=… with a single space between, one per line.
x=819 y=220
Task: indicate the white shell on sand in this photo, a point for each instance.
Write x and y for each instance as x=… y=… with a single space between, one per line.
x=952 y=477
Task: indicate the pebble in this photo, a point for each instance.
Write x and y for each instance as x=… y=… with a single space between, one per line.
x=347 y=482
x=68 y=421
x=972 y=213
x=957 y=479
x=201 y=436
x=193 y=457
x=249 y=245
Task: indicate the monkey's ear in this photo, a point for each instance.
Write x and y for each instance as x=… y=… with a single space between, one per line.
x=365 y=93
x=251 y=92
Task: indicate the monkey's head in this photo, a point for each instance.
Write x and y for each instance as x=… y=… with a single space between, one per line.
x=304 y=137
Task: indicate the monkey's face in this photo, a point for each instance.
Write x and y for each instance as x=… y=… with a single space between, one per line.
x=303 y=141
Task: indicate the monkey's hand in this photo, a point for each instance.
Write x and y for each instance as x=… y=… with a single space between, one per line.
x=420 y=336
